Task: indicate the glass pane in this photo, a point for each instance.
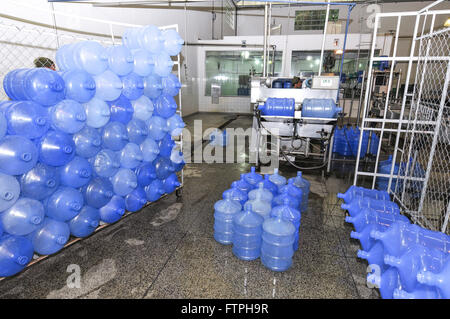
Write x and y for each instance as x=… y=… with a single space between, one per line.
x=313 y=19
x=233 y=69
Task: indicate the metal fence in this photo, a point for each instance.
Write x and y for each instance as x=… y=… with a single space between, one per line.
x=414 y=130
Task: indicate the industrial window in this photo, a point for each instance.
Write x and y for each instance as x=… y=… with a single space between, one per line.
x=313 y=19
x=304 y=63
x=232 y=70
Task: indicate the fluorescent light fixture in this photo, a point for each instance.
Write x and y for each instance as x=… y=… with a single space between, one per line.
x=447 y=23
x=309 y=58
x=245 y=54
x=338 y=51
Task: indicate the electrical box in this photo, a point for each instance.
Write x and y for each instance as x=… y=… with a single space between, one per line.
x=216 y=91
x=325 y=82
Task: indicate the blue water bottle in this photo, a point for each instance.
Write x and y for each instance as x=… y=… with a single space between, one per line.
x=98 y=192
x=247 y=231
x=85 y=222
x=153 y=86
x=277 y=246
x=76 y=173
x=143 y=108
x=15 y=253
x=130 y=156
x=39 y=182
x=88 y=142
x=79 y=85
x=27 y=118
x=17 y=155
x=113 y=210
x=64 y=204
x=137 y=131
x=97 y=113
x=133 y=86
x=24 y=217
x=9 y=191
x=135 y=200
x=50 y=237
x=68 y=116
x=224 y=211
x=56 y=148
x=124 y=181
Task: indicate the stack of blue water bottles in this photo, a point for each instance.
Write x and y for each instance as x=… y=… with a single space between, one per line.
x=81 y=146
x=346 y=142
x=406 y=260
x=260 y=216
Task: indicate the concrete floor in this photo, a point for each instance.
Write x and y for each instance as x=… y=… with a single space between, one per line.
x=167 y=250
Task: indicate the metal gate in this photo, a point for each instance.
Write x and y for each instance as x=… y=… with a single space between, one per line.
x=415 y=131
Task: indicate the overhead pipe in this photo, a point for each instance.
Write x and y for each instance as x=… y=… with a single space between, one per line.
x=324 y=37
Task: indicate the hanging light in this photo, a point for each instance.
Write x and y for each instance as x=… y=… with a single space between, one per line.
x=338 y=51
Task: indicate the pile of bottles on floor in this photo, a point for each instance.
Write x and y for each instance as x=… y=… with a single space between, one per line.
x=413 y=169
x=260 y=216
x=346 y=141
x=81 y=146
x=406 y=260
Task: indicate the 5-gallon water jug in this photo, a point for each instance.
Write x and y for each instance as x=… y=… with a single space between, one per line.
x=9 y=191
x=247 y=231
x=17 y=155
x=359 y=203
x=277 y=246
x=143 y=108
x=41 y=85
x=64 y=204
x=64 y=57
x=56 y=148
x=145 y=174
x=384 y=167
x=131 y=38
x=259 y=206
x=24 y=217
x=15 y=253
x=171 y=183
x=374 y=142
x=50 y=237
x=243 y=185
x=374 y=256
x=157 y=127
x=108 y=86
x=163 y=64
x=124 y=181
x=278 y=107
x=149 y=149
x=165 y=106
x=224 y=211
x=106 y=163
x=253 y=178
x=133 y=86
x=97 y=113
x=177 y=159
x=39 y=182
x=163 y=167
x=304 y=185
x=370 y=216
x=121 y=110
x=290 y=214
x=85 y=222
x=355 y=191
x=321 y=108
x=440 y=280
x=130 y=156
x=260 y=191
x=281 y=199
x=277 y=179
x=166 y=145
x=68 y=116
x=153 y=86
x=387 y=282
x=293 y=191
x=3 y=125
x=172 y=41
x=364 y=235
x=27 y=118
x=98 y=192
x=144 y=62
x=120 y=60
x=79 y=85
x=113 y=210
x=269 y=185
x=151 y=39
x=90 y=56
x=175 y=125
x=154 y=190
x=171 y=85
x=421 y=292
x=76 y=173
x=137 y=131
x=114 y=136
x=417 y=258
x=135 y=200
x=236 y=194
x=87 y=142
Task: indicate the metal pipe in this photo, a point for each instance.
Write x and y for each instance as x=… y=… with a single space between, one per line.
x=343 y=49
x=268 y=37
x=266 y=11
x=323 y=39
